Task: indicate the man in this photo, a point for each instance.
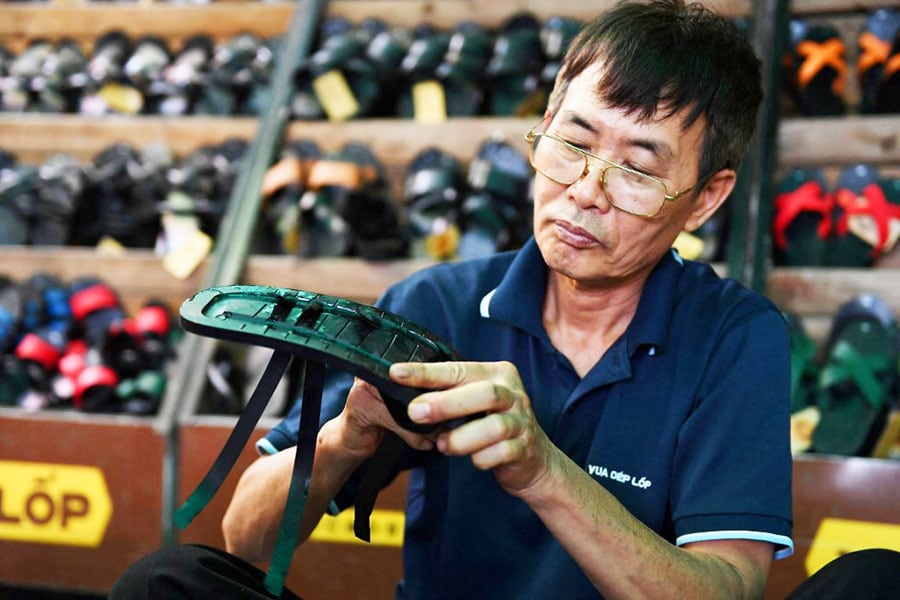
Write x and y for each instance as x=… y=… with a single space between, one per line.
x=630 y=435
x=635 y=440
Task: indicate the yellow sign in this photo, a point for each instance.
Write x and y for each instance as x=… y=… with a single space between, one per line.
x=836 y=537
x=386 y=527
x=66 y=505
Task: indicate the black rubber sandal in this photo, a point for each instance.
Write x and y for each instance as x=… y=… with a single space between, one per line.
x=317 y=329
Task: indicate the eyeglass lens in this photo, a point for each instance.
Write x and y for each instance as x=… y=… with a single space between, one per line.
x=626 y=190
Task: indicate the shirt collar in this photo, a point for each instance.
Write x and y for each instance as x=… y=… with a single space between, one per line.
x=519 y=298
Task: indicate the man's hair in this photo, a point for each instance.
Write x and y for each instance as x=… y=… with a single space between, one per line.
x=671 y=56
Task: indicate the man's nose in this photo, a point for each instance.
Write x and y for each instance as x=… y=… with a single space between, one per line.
x=588 y=190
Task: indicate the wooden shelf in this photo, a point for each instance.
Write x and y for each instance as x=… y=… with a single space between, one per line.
x=822 y=141
x=85 y=21
x=34 y=137
x=816 y=293
x=139 y=276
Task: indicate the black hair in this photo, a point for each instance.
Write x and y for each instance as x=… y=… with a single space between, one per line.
x=666 y=55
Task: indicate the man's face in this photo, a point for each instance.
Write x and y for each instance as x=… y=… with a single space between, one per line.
x=580 y=234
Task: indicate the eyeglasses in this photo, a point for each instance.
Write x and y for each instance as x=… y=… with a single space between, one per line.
x=628 y=190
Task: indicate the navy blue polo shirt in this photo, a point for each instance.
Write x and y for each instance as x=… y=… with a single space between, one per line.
x=684 y=419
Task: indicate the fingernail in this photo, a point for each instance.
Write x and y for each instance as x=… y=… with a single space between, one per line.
x=419 y=411
x=401 y=371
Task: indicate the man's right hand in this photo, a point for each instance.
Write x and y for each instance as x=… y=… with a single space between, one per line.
x=365 y=418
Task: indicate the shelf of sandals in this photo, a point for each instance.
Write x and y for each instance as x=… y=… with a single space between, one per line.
x=835 y=226
x=836 y=215
x=173 y=151
x=127 y=184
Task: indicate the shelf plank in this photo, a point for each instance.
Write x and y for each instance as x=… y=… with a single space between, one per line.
x=816 y=291
x=136 y=275
x=831 y=140
x=802 y=141
x=85 y=21
x=34 y=137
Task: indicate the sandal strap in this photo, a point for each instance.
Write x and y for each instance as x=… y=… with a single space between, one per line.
x=339 y=173
x=287 y=171
x=819 y=56
x=809 y=197
x=803 y=353
x=873 y=51
x=846 y=364
x=872 y=203
x=892 y=66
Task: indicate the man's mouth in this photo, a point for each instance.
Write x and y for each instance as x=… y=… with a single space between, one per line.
x=575 y=236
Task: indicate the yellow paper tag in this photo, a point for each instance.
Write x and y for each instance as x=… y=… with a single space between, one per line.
x=122 y=98
x=803 y=424
x=180 y=262
x=443 y=243
x=429 y=102
x=689 y=246
x=109 y=246
x=335 y=96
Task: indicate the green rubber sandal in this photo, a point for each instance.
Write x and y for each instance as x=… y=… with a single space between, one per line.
x=317 y=329
x=858 y=377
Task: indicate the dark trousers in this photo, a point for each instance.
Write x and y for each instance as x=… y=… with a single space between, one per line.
x=862 y=575
x=181 y=572
x=187 y=571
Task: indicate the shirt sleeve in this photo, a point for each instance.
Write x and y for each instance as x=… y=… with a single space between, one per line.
x=733 y=451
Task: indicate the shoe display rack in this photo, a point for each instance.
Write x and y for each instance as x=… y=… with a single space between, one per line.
x=128 y=470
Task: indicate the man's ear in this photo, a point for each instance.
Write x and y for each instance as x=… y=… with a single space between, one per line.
x=714 y=193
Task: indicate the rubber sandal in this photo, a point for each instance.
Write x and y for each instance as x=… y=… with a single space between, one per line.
x=329 y=184
x=142 y=395
x=890 y=255
x=347 y=209
x=462 y=69
x=496 y=212
x=804 y=368
x=282 y=187
x=556 y=34
x=13 y=380
x=819 y=69
x=377 y=231
x=385 y=52
x=181 y=81
x=863 y=228
x=318 y=330
x=144 y=68
x=60 y=184
x=426 y=53
x=63 y=78
x=888 y=99
x=346 y=85
x=802 y=219
x=434 y=186
x=858 y=377
x=17 y=182
x=127 y=184
x=108 y=56
x=874 y=44
x=515 y=67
